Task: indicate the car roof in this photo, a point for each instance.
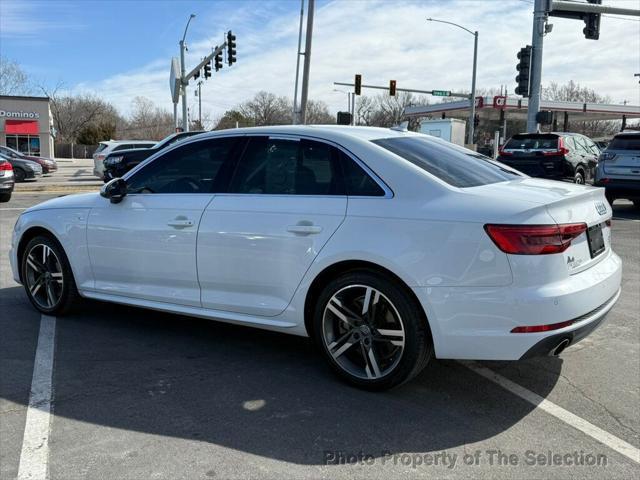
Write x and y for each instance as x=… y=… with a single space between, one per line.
x=118 y=142
x=326 y=131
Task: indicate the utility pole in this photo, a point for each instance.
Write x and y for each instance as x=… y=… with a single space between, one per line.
x=472 y=106
x=298 y=53
x=537 y=39
x=307 y=64
x=183 y=79
x=200 y=104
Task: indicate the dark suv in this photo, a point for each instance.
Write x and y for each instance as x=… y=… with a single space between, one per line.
x=119 y=162
x=557 y=156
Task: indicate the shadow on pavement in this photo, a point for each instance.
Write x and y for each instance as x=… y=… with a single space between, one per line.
x=626 y=211
x=259 y=392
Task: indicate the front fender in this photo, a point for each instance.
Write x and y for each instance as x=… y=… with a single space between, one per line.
x=68 y=226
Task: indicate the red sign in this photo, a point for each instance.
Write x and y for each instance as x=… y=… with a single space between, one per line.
x=21 y=127
x=499 y=101
x=479 y=102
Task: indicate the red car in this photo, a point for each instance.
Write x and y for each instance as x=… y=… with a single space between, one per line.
x=48 y=165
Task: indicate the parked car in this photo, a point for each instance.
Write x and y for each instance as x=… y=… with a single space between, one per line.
x=49 y=165
x=557 y=156
x=6 y=179
x=119 y=162
x=619 y=168
x=388 y=248
x=106 y=147
x=23 y=169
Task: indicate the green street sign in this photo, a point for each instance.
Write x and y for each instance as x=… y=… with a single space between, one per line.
x=441 y=93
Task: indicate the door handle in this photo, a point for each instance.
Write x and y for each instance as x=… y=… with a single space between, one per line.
x=180 y=223
x=304 y=229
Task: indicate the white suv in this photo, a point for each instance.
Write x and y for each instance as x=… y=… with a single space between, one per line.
x=105 y=148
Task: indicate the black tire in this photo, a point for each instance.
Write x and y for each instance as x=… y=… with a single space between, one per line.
x=68 y=296
x=19 y=175
x=579 y=177
x=5 y=197
x=417 y=348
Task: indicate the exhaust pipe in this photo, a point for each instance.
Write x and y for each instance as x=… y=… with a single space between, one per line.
x=559 y=348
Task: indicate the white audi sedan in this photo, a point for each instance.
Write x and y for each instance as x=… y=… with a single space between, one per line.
x=388 y=248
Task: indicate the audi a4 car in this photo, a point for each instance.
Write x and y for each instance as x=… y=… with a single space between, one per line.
x=556 y=156
x=119 y=162
x=388 y=248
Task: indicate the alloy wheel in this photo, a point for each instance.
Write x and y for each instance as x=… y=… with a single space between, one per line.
x=363 y=332
x=43 y=276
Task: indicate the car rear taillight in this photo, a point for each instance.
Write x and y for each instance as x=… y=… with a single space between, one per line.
x=504 y=154
x=562 y=150
x=534 y=239
x=5 y=166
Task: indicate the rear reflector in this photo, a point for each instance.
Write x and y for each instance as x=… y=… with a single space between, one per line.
x=542 y=328
x=534 y=239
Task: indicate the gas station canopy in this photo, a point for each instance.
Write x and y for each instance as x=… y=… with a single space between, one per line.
x=490 y=108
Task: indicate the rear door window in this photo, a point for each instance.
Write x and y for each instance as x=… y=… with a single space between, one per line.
x=625 y=142
x=454 y=165
x=532 y=142
x=277 y=166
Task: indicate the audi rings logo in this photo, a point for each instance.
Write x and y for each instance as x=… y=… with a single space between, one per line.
x=601 y=208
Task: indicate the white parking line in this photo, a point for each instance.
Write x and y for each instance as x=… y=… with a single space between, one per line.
x=560 y=413
x=34 y=457
x=13 y=208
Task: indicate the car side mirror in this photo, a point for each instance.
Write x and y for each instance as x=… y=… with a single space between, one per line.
x=115 y=190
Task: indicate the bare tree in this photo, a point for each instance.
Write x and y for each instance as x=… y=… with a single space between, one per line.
x=72 y=114
x=574 y=92
x=13 y=80
x=318 y=113
x=147 y=121
x=267 y=109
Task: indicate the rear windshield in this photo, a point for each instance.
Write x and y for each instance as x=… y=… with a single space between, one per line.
x=101 y=147
x=625 y=142
x=532 y=142
x=455 y=165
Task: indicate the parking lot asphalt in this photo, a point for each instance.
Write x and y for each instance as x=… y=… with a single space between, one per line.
x=140 y=394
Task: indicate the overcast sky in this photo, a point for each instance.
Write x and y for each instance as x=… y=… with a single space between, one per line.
x=119 y=49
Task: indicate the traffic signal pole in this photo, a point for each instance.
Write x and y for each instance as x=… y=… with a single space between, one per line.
x=537 y=39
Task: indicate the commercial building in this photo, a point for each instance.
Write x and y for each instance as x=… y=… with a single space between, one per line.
x=26 y=125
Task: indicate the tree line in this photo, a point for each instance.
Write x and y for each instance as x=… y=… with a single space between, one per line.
x=88 y=119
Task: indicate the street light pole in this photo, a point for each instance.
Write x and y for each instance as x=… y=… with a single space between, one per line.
x=472 y=114
x=183 y=79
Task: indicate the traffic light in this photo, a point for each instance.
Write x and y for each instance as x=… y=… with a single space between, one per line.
x=592 y=23
x=207 y=70
x=392 y=88
x=358 y=84
x=196 y=75
x=218 y=61
x=231 y=48
x=524 y=69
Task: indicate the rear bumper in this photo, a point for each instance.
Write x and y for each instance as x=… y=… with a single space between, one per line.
x=622 y=188
x=475 y=323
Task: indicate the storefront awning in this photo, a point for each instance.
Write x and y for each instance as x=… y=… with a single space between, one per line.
x=21 y=127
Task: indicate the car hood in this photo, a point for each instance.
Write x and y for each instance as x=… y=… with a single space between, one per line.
x=79 y=200
x=35 y=159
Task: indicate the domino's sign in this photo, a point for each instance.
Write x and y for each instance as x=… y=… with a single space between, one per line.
x=20 y=114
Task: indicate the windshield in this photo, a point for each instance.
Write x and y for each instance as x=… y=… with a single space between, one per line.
x=532 y=142
x=625 y=142
x=452 y=164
